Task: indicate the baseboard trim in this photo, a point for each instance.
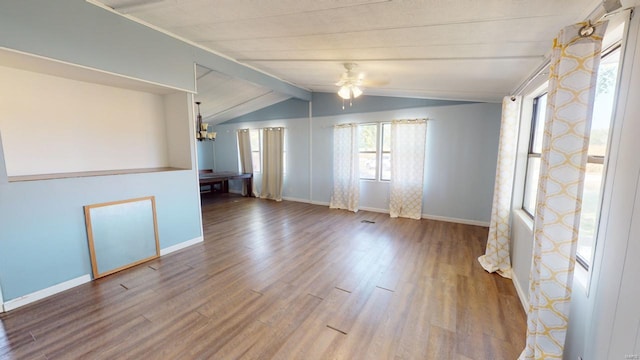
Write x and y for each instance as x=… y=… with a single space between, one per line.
x=181 y=245
x=523 y=299
x=306 y=201
x=456 y=220
x=41 y=294
x=375 y=210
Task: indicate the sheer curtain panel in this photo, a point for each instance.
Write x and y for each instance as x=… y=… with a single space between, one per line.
x=408 y=140
x=346 y=169
x=272 y=163
x=496 y=257
x=572 y=82
x=244 y=151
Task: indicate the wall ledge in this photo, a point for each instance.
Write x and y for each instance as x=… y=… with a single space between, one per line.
x=90 y=174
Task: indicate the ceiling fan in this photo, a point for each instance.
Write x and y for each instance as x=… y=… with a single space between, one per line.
x=350 y=83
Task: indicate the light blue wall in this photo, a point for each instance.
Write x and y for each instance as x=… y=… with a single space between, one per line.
x=296 y=180
x=329 y=104
x=43 y=235
x=206 y=150
x=462 y=145
x=82 y=33
x=43 y=240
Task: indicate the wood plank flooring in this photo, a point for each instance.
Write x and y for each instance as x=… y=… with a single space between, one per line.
x=287 y=281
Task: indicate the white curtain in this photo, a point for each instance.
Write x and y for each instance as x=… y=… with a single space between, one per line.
x=272 y=163
x=572 y=81
x=496 y=257
x=346 y=169
x=244 y=151
x=408 y=139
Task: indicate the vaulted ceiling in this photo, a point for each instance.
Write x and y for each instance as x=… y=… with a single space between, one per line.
x=476 y=50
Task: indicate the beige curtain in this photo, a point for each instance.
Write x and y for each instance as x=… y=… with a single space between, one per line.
x=244 y=150
x=496 y=257
x=408 y=140
x=572 y=81
x=346 y=168
x=272 y=163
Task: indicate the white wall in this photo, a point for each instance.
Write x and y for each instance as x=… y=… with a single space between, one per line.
x=51 y=124
x=462 y=143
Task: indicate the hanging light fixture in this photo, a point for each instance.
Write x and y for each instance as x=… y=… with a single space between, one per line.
x=202 y=132
x=349 y=85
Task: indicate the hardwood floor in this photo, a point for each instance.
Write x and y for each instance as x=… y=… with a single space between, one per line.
x=287 y=281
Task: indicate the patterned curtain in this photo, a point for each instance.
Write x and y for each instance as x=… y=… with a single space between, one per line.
x=346 y=168
x=572 y=81
x=496 y=257
x=272 y=163
x=244 y=149
x=408 y=139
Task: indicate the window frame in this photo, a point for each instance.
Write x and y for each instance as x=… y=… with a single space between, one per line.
x=382 y=150
x=530 y=153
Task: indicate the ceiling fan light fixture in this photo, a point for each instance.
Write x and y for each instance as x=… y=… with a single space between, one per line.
x=344 y=92
x=356 y=91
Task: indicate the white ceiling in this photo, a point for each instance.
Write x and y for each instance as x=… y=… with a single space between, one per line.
x=476 y=50
x=224 y=97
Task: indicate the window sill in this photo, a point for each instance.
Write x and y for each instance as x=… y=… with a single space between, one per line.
x=524 y=218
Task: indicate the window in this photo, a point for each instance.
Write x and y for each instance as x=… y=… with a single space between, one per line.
x=374 y=145
x=598 y=144
x=256 y=157
x=368 y=149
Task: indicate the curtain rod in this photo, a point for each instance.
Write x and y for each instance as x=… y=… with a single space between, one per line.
x=604 y=9
x=263 y=128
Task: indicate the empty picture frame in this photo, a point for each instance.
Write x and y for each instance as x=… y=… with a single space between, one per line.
x=121 y=234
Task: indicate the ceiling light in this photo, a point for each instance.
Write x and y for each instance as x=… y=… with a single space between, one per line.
x=202 y=128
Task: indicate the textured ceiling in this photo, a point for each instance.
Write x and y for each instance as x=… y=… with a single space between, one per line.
x=458 y=49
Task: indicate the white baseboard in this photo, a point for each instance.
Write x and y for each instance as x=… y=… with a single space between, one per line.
x=41 y=294
x=306 y=201
x=376 y=210
x=521 y=294
x=386 y=211
x=181 y=245
x=456 y=220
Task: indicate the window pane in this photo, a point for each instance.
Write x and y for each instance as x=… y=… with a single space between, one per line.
x=603 y=104
x=255 y=157
x=590 y=206
x=254 y=136
x=531 y=185
x=385 y=171
x=368 y=137
x=538 y=126
x=368 y=166
x=386 y=137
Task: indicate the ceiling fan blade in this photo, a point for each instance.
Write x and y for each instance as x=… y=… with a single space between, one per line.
x=374 y=82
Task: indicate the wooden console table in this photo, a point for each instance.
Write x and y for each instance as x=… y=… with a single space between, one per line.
x=208 y=177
